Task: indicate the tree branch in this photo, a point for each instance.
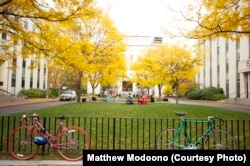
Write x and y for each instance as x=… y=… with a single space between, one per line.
x=5 y=2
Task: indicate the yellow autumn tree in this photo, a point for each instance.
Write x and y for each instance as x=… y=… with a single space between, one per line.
x=168 y=65
x=16 y=15
x=69 y=52
x=105 y=62
x=49 y=37
x=222 y=18
x=144 y=72
x=150 y=68
x=215 y=18
x=113 y=73
x=182 y=66
x=90 y=49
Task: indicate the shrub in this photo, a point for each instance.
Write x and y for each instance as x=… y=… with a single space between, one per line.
x=194 y=95
x=34 y=93
x=216 y=97
x=53 y=92
x=210 y=93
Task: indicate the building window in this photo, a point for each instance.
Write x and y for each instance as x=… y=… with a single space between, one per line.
x=13 y=78
x=25 y=24
x=218 y=65
x=131 y=55
x=157 y=40
x=227 y=46
x=127 y=86
x=249 y=48
x=4 y=36
x=237 y=50
x=227 y=88
x=16 y=19
x=33 y=28
x=31 y=79
x=23 y=82
x=24 y=64
x=38 y=74
x=238 y=88
x=23 y=74
x=237 y=66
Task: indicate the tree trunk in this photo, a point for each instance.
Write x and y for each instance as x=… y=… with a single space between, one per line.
x=176 y=93
x=93 y=91
x=48 y=85
x=159 y=89
x=78 y=87
x=78 y=95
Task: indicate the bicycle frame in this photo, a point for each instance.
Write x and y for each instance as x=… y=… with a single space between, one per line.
x=68 y=141
x=183 y=126
x=44 y=133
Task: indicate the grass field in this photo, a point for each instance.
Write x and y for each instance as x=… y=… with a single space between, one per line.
x=152 y=110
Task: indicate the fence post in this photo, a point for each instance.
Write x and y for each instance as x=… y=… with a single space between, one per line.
x=114 y=133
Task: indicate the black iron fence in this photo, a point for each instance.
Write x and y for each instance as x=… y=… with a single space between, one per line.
x=127 y=133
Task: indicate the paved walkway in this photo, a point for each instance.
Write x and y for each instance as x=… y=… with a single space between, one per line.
x=39 y=163
x=235 y=107
x=25 y=101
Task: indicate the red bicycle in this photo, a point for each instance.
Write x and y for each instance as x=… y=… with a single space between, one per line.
x=24 y=141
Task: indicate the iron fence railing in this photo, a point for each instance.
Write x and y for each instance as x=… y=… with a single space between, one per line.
x=127 y=133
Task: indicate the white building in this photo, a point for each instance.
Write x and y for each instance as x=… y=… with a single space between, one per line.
x=22 y=76
x=227 y=66
x=136 y=46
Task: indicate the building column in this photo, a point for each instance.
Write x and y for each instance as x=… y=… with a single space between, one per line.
x=248 y=85
x=245 y=88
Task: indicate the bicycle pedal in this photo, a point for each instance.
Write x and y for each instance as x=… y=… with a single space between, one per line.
x=190 y=148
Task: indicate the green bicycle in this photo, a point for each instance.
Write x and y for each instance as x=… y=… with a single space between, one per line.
x=211 y=139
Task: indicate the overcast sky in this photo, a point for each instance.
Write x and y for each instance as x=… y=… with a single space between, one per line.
x=142 y=17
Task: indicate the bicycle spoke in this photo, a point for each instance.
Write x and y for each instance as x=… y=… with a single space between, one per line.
x=219 y=140
x=165 y=140
x=72 y=143
x=20 y=143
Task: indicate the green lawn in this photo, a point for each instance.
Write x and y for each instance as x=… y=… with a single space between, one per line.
x=152 y=110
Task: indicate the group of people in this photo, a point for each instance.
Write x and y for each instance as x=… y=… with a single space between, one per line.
x=107 y=99
x=142 y=100
x=129 y=99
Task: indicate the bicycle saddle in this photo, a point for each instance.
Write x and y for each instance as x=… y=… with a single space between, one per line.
x=181 y=113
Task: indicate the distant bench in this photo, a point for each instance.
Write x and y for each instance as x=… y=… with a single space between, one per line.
x=84 y=99
x=165 y=99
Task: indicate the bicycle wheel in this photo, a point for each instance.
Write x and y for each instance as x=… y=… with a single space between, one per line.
x=164 y=140
x=219 y=140
x=20 y=143
x=72 y=143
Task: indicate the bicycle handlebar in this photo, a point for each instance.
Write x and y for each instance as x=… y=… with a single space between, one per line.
x=25 y=118
x=216 y=118
x=62 y=117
